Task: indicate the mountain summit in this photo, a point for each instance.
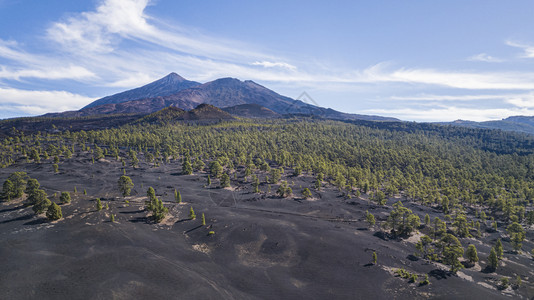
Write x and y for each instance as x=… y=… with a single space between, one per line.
x=168 y=85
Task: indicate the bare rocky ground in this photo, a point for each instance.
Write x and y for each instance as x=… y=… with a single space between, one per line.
x=263 y=247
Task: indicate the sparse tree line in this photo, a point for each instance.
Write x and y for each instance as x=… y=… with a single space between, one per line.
x=19 y=184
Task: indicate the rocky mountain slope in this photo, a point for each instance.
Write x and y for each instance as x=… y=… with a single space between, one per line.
x=165 y=86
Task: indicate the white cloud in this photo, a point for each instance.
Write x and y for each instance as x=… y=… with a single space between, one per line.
x=268 y=64
x=522 y=101
x=484 y=57
x=40 y=102
x=528 y=50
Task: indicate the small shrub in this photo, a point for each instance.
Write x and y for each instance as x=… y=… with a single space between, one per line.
x=426 y=281
x=306 y=193
x=518 y=282
x=504 y=283
x=65 y=197
x=211 y=232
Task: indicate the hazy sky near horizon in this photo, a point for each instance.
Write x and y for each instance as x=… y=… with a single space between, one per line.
x=413 y=60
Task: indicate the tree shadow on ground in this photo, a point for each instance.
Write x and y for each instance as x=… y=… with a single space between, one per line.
x=21 y=218
x=381 y=235
x=11 y=209
x=468 y=264
x=36 y=221
x=139 y=220
x=412 y=257
x=487 y=270
x=439 y=274
x=130 y=212
x=192 y=229
x=182 y=220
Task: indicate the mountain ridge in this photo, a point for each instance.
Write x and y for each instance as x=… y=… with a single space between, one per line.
x=222 y=93
x=524 y=124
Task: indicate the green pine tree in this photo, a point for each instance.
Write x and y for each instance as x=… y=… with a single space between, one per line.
x=192 y=215
x=125 y=185
x=98 y=204
x=493 y=260
x=187 y=169
x=498 y=249
x=471 y=253
x=225 y=181
x=54 y=212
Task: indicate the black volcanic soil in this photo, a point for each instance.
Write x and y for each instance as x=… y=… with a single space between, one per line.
x=264 y=247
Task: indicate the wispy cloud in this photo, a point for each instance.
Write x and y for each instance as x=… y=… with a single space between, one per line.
x=94 y=31
x=528 y=50
x=70 y=72
x=485 y=58
x=100 y=31
x=268 y=64
x=28 y=65
x=460 y=80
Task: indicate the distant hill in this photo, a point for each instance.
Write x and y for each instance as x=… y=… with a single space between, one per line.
x=251 y=111
x=165 y=115
x=523 y=124
x=203 y=112
x=222 y=93
x=165 y=86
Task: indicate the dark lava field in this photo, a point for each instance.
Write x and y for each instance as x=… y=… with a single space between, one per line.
x=253 y=246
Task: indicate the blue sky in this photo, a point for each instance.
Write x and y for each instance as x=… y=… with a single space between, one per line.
x=414 y=60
